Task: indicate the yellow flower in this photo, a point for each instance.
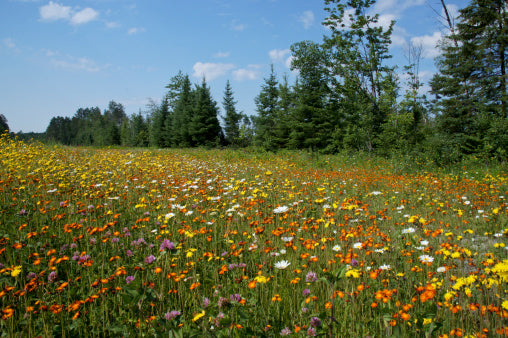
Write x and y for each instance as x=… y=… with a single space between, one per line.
x=198 y=316
x=504 y=305
x=427 y=321
x=261 y=279
x=16 y=271
x=353 y=273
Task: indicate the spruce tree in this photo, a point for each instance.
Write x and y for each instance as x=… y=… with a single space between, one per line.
x=204 y=127
x=232 y=117
x=470 y=86
x=310 y=122
x=267 y=107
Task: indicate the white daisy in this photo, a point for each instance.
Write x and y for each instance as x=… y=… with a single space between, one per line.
x=426 y=259
x=336 y=248
x=282 y=265
x=280 y=210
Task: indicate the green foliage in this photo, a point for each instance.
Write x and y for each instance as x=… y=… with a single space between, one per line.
x=4 y=127
x=471 y=84
x=232 y=118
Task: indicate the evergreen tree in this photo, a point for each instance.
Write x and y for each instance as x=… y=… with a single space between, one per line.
x=470 y=86
x=232 y=117
x=204 y=127
x=358 y=46
x=267 y=106
x=310 y=123
x=177 y=126
x=4 y=127
x=283 y=118
x=159 y=137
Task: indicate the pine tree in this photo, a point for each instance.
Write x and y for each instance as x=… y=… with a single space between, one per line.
x=267 y=106
x=204 y=127
x=232 y=117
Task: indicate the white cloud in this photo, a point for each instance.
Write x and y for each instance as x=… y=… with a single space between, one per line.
x=135 y=30
x=210 y=70
x=429 y=44
x=86 y=15
x=385 y=21
x=399 y=36
x=307 y=18
x=277 y=55
x=221 y=54
x=249 y=73
x=281 y=56
x=54 y=11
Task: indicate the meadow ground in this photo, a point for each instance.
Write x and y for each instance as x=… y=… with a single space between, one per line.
x=133 y=242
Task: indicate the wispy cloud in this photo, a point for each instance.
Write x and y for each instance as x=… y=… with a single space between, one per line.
x=71 y=63
x=112 y=24
x=221 y=54
x=211 y=70
x=235 y=25
x=10 y=44
x=54 y=11
x=135 y=30
x=307 y=18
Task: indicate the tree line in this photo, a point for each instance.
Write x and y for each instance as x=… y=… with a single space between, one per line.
x=345 y=97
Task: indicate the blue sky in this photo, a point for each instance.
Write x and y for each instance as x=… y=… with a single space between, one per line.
x=58 y=56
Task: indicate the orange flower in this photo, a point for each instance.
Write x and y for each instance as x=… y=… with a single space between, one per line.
x=252 y=284
x=194 y=285
x=276 y=298
x=157 y=270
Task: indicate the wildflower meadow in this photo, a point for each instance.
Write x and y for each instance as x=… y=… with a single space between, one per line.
x=232 y=243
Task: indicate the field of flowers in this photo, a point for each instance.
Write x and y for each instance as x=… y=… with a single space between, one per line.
x=222 y=243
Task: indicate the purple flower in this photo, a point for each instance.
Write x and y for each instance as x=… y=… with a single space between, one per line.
x=93 y=240
x=232 y=266
x=115 y=239
x=304 y=310
x=311 y=332
x=128 y=253
x=354 y=262
x=236 y=297
x=22 y=212
x=315 y=322
x=129 y=279
x=285 y=332
x=166 y=244
x=74 y=245
x=62 y=204
x=150 y=259
x=306 y=292
x=206 y=301
x=172 y=314
x=311 y=277
x=31 y=275
x=52 y=277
